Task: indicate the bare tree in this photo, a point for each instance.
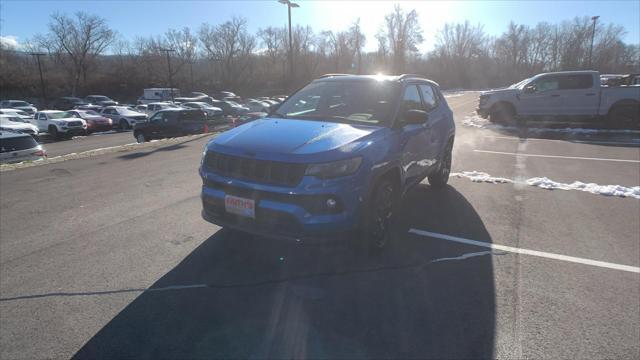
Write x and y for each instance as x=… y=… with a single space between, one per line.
x=402 y=34
x=231 y=44
x=359 y=41
x=76 y=42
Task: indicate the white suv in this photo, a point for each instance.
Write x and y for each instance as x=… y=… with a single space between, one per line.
x=60 y=123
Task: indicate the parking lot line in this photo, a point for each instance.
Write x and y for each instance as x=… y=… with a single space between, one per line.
x=555 y=156
x=602 y=264
x=602 y=142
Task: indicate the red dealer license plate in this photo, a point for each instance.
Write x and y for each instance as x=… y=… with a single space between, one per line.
x=240 y=206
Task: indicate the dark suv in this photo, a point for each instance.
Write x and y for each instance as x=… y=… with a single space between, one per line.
x=336 y=156
x=171 y=123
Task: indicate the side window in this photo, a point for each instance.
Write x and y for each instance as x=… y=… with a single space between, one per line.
x=548 y=83
x=42 y=117
x=171 y=116
x=411 y=100
x=429 y=96
x=572 y=82
x=158 y=117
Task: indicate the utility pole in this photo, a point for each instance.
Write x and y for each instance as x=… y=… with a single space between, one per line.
x=593 y=34
x=167 y=51
x=291 y=68
x=44 y=95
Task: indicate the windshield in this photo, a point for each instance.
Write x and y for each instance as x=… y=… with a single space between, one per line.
x=520 y=84
x=367 y=102
x=19 y=103
x=88 y=113
x=59 y=115
x=100 y=98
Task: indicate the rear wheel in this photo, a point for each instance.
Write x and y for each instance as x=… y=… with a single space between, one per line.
x=625 y=116
x=440 y=178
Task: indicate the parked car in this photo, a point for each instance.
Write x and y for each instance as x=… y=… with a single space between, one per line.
x=152 y=95
x=211 y=111
x=172 y=122
x=60 y=123
x=153 y=107
x=123 y=117
x=68 y=103
x=230 y=108
x=19 y=105
x=243 y=119
x=257 y=106
x=95 y=121
x=336 y=157
x=100 y=100
x=563 y=94
x=15 y=123
x=21 y=114
x=18 y=147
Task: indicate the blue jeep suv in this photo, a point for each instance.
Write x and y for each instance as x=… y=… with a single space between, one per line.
x=335 y=157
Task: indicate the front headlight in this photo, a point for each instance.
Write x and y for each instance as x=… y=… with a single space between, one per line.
x=63 y=123
x=334 y=169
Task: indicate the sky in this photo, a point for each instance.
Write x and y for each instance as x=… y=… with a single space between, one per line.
x=21 y=19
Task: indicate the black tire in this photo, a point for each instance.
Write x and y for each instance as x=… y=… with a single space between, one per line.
x=53 y=131
x=140 y=137
x=124 y=125
x=625 y=116
x=502 y=113
x=378 y=222
x=440 y=177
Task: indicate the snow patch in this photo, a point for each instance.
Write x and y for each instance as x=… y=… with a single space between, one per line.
x=548 y=184
x=478 y=176
x=476 y=121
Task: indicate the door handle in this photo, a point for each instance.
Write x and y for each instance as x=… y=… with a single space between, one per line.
x=590 y=94
x=555 y=95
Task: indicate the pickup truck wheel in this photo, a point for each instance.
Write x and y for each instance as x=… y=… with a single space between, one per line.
x=625 y=116
x=53 y=131
x=140 y=137
x=378 y=224
x=501 y=113
x=440 y=177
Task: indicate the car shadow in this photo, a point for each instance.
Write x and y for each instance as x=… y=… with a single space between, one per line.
x=143 y=153
x=240 y=296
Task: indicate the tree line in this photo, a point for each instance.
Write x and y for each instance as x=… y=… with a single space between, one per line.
x=86 y=56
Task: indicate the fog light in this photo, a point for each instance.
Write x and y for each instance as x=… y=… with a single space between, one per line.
x=331 y=203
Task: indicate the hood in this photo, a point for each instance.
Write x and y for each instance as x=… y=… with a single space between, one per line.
x=67 y=120
x=289 y=136
x=504 y=91
x=18 y=126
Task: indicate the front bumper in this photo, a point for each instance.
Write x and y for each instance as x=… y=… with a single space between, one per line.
x=281 y=212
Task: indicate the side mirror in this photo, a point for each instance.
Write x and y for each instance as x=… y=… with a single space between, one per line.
x=415 y=117
x=530 y=89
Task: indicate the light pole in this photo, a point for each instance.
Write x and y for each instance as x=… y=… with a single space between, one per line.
x=290 y=5
x=593 y=34
x=44 y=95
x=167 y=51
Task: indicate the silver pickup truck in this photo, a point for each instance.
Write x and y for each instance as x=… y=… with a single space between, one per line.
x=568 y=94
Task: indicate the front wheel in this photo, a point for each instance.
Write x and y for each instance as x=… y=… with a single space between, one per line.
x=378 y=223
x=625 y=116
x=440 y=177
x=140 y=137
x=501 y=113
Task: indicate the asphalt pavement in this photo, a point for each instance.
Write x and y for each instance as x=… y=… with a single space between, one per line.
x=108 y=257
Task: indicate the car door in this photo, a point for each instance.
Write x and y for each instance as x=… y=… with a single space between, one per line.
x=436 y=126
x=42 y=122
x=578 y=95
x=156 y=124
x=413 y=137
x=540 y=97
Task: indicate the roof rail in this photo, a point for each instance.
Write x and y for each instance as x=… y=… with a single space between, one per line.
x=407 y=76
x=329 y=75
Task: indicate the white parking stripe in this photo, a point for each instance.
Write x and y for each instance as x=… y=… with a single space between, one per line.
x=543 y=254
x=555 y=156
x=604 y=142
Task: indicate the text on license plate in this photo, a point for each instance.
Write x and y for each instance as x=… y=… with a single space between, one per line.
x=240 y=206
